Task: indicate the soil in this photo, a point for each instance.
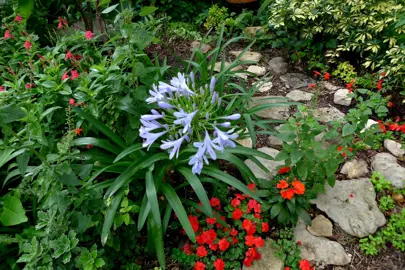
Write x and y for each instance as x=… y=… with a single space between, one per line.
x=388 y=259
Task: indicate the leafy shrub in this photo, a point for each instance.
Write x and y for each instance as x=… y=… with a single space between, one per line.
x=218 y=16
x=345 y=71
x=181 y=30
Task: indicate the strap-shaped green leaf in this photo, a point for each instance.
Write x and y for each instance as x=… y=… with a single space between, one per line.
x=152 y=198
x=110 y=215
x=105 y=144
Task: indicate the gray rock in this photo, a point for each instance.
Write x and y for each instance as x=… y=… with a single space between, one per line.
x=319 y=249
x=273 y=140
x=252 y=31
x=269 y=260
x=352 y=204
x=387 y=165
x=330 y=87
x=204 y=48
x=278 y=65
x=248 y=56
x=258 y=70
x=394 y=147
x=296 y=80
x=217 y=67
x=298 y=95
x=321 y=226
x=341 y=97
x=247 y=142
x=328 y=114
x=271 y=165
x=355 y=168
x=277 y=113
x=266 y=87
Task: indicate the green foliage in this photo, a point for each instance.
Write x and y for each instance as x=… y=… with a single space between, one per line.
x=345 y=71
x=379 y=182
x=218 y=16
x=288 y=249
x=386 y=203
x=184 y=259
x=12 y=211
x=182 y=31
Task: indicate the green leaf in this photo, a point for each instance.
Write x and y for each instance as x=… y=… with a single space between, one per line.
x=157 y=233
x=152 y=198
x=105 y=144
x=109 y=9
x=49 y=84
x=248 y=152
x=303 y=214
x=5 y=156
x=275 y=210
x=10 y=113
x=22 y=162
x=282 y=216
x=331 y=180
x=110 y=215
x=296 y=155
x=281 y=156
x=13 y=212
x=145 y=11
x=348 y=129
x=251 y=128
x=302 y=169
x=69 y=179
x=128 y=151
x=143 y=212
x=25 y=8
x=178 y=208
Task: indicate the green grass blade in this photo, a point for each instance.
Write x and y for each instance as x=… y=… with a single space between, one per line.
x=242 y=167
x=105 y=144
x=152 y=198
x=110 y=215
x=248 y=152
x=157 y=234
x=251 y=128
x=166 y=217
x=128 y=151
x=143 y=212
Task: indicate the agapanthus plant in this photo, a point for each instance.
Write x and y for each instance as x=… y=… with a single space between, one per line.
x=188 y=114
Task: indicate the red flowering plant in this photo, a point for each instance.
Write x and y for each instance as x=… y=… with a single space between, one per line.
x=230 y=239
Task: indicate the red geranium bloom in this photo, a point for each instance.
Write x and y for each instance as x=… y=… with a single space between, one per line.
x=202 y=251
x=223 y=244
x=259 y=242
x=215 y=202
x=75 y=74
x=188 y=248
x=194 y=222
x=312 y=85
x=282 y=184
x=18 y=18
x=287 y=193
x=233 y=232
x=78 y=131
x=235 y=203
x=213 y=247
x=239 y=196
x=265 y=227
x=27 y=45
x=65 y=76
x=252 y=187
x=199 y=266
x=316 y=73
x=219 y=264
x=89 y=35
x=305 y=265
x=237 y=214
x=211 y=221
x=299 y=187
x=327 y=76
x=7 y=35
x=284 y=169
x=250 y=240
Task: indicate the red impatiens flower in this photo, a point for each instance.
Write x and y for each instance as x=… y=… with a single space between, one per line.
x=239 y=197
x=219 y=264
x=349 y=86
x=252 y=187
x=234 y=240
x=213 y=247
x=249 y=227
x=282 y=184
x=394 y=127
x=78 y=131
x=390 y=104
x=215 y=202
x=69 y=55
x=287 y=268
x=89 y=35
x=211 y=221
x=305 y=265
x=265 y=227
x=350 y=149
x=327 y=76
x=299 y=243
x=339 y=148
x=27 y=45
x=233 y=232
x=202 y=251
x=65 y=76
x=223 y=244
x=284 y=169
x=194 y=222
x=237 y=214
x=248 y=261
x=7 y=35
x=188 y=248
x=344 y=154
x=199 y=266
x=29 y=85
x=317 y=73
x=62 y=23
x=351 y=195
x=72 y=102
x=299 y=187
x=312 y=85
x=251 y=205
x=209 y=236
x=379 y=85
x=259 y=242
x=18 y=18
x=75 y=74
x=287 y=193
x=89 y=146
x=250 y=240
x=257 y=215
x=235 y=203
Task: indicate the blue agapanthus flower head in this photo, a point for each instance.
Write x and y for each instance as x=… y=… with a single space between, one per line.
x=188 y=113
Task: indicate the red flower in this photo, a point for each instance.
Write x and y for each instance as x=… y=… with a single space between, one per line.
x=237 y=214
x=188 y=248
x=72 y=102
x=209 y=236
x=351 y=195
x=247 y=224
x=194 y=222
x=1 y=88
x=223 y=244
x=305 y=265
x=252 y=187
x=349 y=86
x=239 y=196
x=287 y=268
x=282 y=184
x=75 y=74
x=89 y=35
x=379 y=85
x=317 y=73
x=65 y=76
x=7 y=35
x=383 y=74
x=394 y=127
x=344 y=155
x=253 y=253
x=29 y=85
x=202 y=251
x=199 y=266
x=312 y=85
x=27 y=45
x=211 y=221
x=390 y=104
x=89 y=146
x=284 y=169
x=233 y=232
x=403 y=128
x=69 y=55
x=257 y=215
x=327 y=76
x=383 y=128
x=248 y=261
x=219 y=264
x=234 y=240
x=215 y=202
x=251 y=205
x=18 y=18
x=287 y=193
x=265 y=227
x=259 y=242
x=299 y=243
x=350 y=149
x=213 y=247
x=299 y=187
x=235 y=203
x=78 y=131
x=199 y=239
x=249 y=240
x=62 y=23
x=339 y=148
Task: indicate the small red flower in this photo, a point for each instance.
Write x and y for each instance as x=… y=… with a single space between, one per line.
x=29 y=85
x=287 y=268
x=219 y=264
x=390 y=104
x=213 y=247
x=379 y=85
x=237 y=214
x=349 y=86
x=350 y=149
x=1 y=88
x=344 y=154
x=287 y=193
x=234 y=240
x=239 y=197
x=259 y=242
x=199 y=266
x=194 y=222
x=223 y=244
x=235 y=203
x=299 y=187
x=89 y=35
x=72 y=102
x=284 y=169
x=327 y=76
x=299 y=243
x=339 y=148
x=211 y=221
x=89 y=146
x=252 y=187
x=312 y=85
x=65 y=76
x=219 y=225
x=250 y=240
x=75 y=74
x=351 y=195
x=257 y=215
x=188 y=248
x=394 y=127
x=317 y=73
x=7 y=35
x=18 y=18
x=282 y=184
x=305 y=265
x=233 y=232
x=248 y=261
x=265 y=227
x=78 y=131
x=62 y=23
x=27 y=45
x=215 y=202
x=69 y=55
x=202 y=251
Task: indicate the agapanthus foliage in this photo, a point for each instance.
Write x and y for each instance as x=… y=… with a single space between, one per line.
x=188 y=114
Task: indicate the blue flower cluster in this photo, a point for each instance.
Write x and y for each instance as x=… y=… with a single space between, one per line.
x=188 y=114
